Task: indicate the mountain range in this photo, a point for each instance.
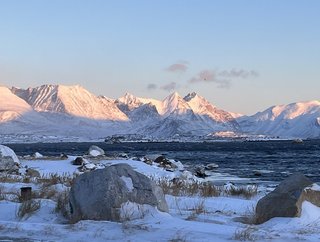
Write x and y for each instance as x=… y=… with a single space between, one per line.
x=72 y=111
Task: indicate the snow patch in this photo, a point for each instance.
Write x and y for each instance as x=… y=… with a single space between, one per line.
x=38 y=155
x=310 y=213
x=95 y=153
x=128 y=182
x=314 y=187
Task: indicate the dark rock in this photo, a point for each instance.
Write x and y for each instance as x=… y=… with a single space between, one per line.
x=285 y=200
x=123 y=155
x=200 y=172
x=79 y=161
x=257 y=173
x=63 y=156
x=100 y=194
x=164 y=163
x=146 y=160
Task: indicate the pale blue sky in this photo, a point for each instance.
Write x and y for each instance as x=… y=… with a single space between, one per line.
x=252 y=53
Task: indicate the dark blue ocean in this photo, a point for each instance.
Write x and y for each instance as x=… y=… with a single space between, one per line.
x=276 y=159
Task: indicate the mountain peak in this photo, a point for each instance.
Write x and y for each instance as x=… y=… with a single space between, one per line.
x=128 y=98
x=175 y=94
x=128 y=95
x=172 y=96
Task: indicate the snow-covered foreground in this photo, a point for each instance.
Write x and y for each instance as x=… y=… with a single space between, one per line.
x=192 y=218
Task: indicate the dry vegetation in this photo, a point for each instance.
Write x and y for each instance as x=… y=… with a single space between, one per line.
x=197 y=209
x=62 y=205
x=244 y=191
x=53 y=179
x=179 y=237
x=28 y=207
x=245 y=234
x=179 y=187
x=46 y=189
x=2 y=195
x=10 y=178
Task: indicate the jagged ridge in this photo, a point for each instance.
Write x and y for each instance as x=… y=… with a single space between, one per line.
x=72 y=110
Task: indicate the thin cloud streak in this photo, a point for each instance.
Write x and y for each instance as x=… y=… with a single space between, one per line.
x=238 y=73
x=181 y=66
x=224 y=78
x=152 y=86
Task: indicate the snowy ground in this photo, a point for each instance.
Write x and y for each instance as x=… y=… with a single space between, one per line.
x=190 y=218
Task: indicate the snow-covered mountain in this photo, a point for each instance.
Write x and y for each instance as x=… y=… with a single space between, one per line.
x=17 y=116
x=12 y=107
x=72 y=100
x=295 y=120
x=73 y=111
x=208 y=112
x=175 y=115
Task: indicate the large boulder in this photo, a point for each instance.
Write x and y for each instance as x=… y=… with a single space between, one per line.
x=100 y=194
x=8 y=159
x=286 y=200
x=95 y=151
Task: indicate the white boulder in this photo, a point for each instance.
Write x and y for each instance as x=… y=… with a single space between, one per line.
x=95 y=151
x=37 y=155
x=8 y=159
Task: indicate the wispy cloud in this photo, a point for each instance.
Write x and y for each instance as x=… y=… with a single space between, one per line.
x=238 y=73
x=152 y=86
x=222 y=78
x=204 y=76
x=167 y=87
x=170 y=86
x=181 y=66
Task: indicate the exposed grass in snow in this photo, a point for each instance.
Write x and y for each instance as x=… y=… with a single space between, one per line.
x=62 y=205
x=244 y=191
x=180 y=187
x=55 y=178
x=245 y=234
x=10 y=178
x=179 y=237
x=197 y=209
x=28 y=207
x=2 y=195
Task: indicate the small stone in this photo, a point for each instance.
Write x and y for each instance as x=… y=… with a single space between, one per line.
x=79 y=161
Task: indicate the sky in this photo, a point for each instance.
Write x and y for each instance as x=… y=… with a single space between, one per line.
x=241 y=55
